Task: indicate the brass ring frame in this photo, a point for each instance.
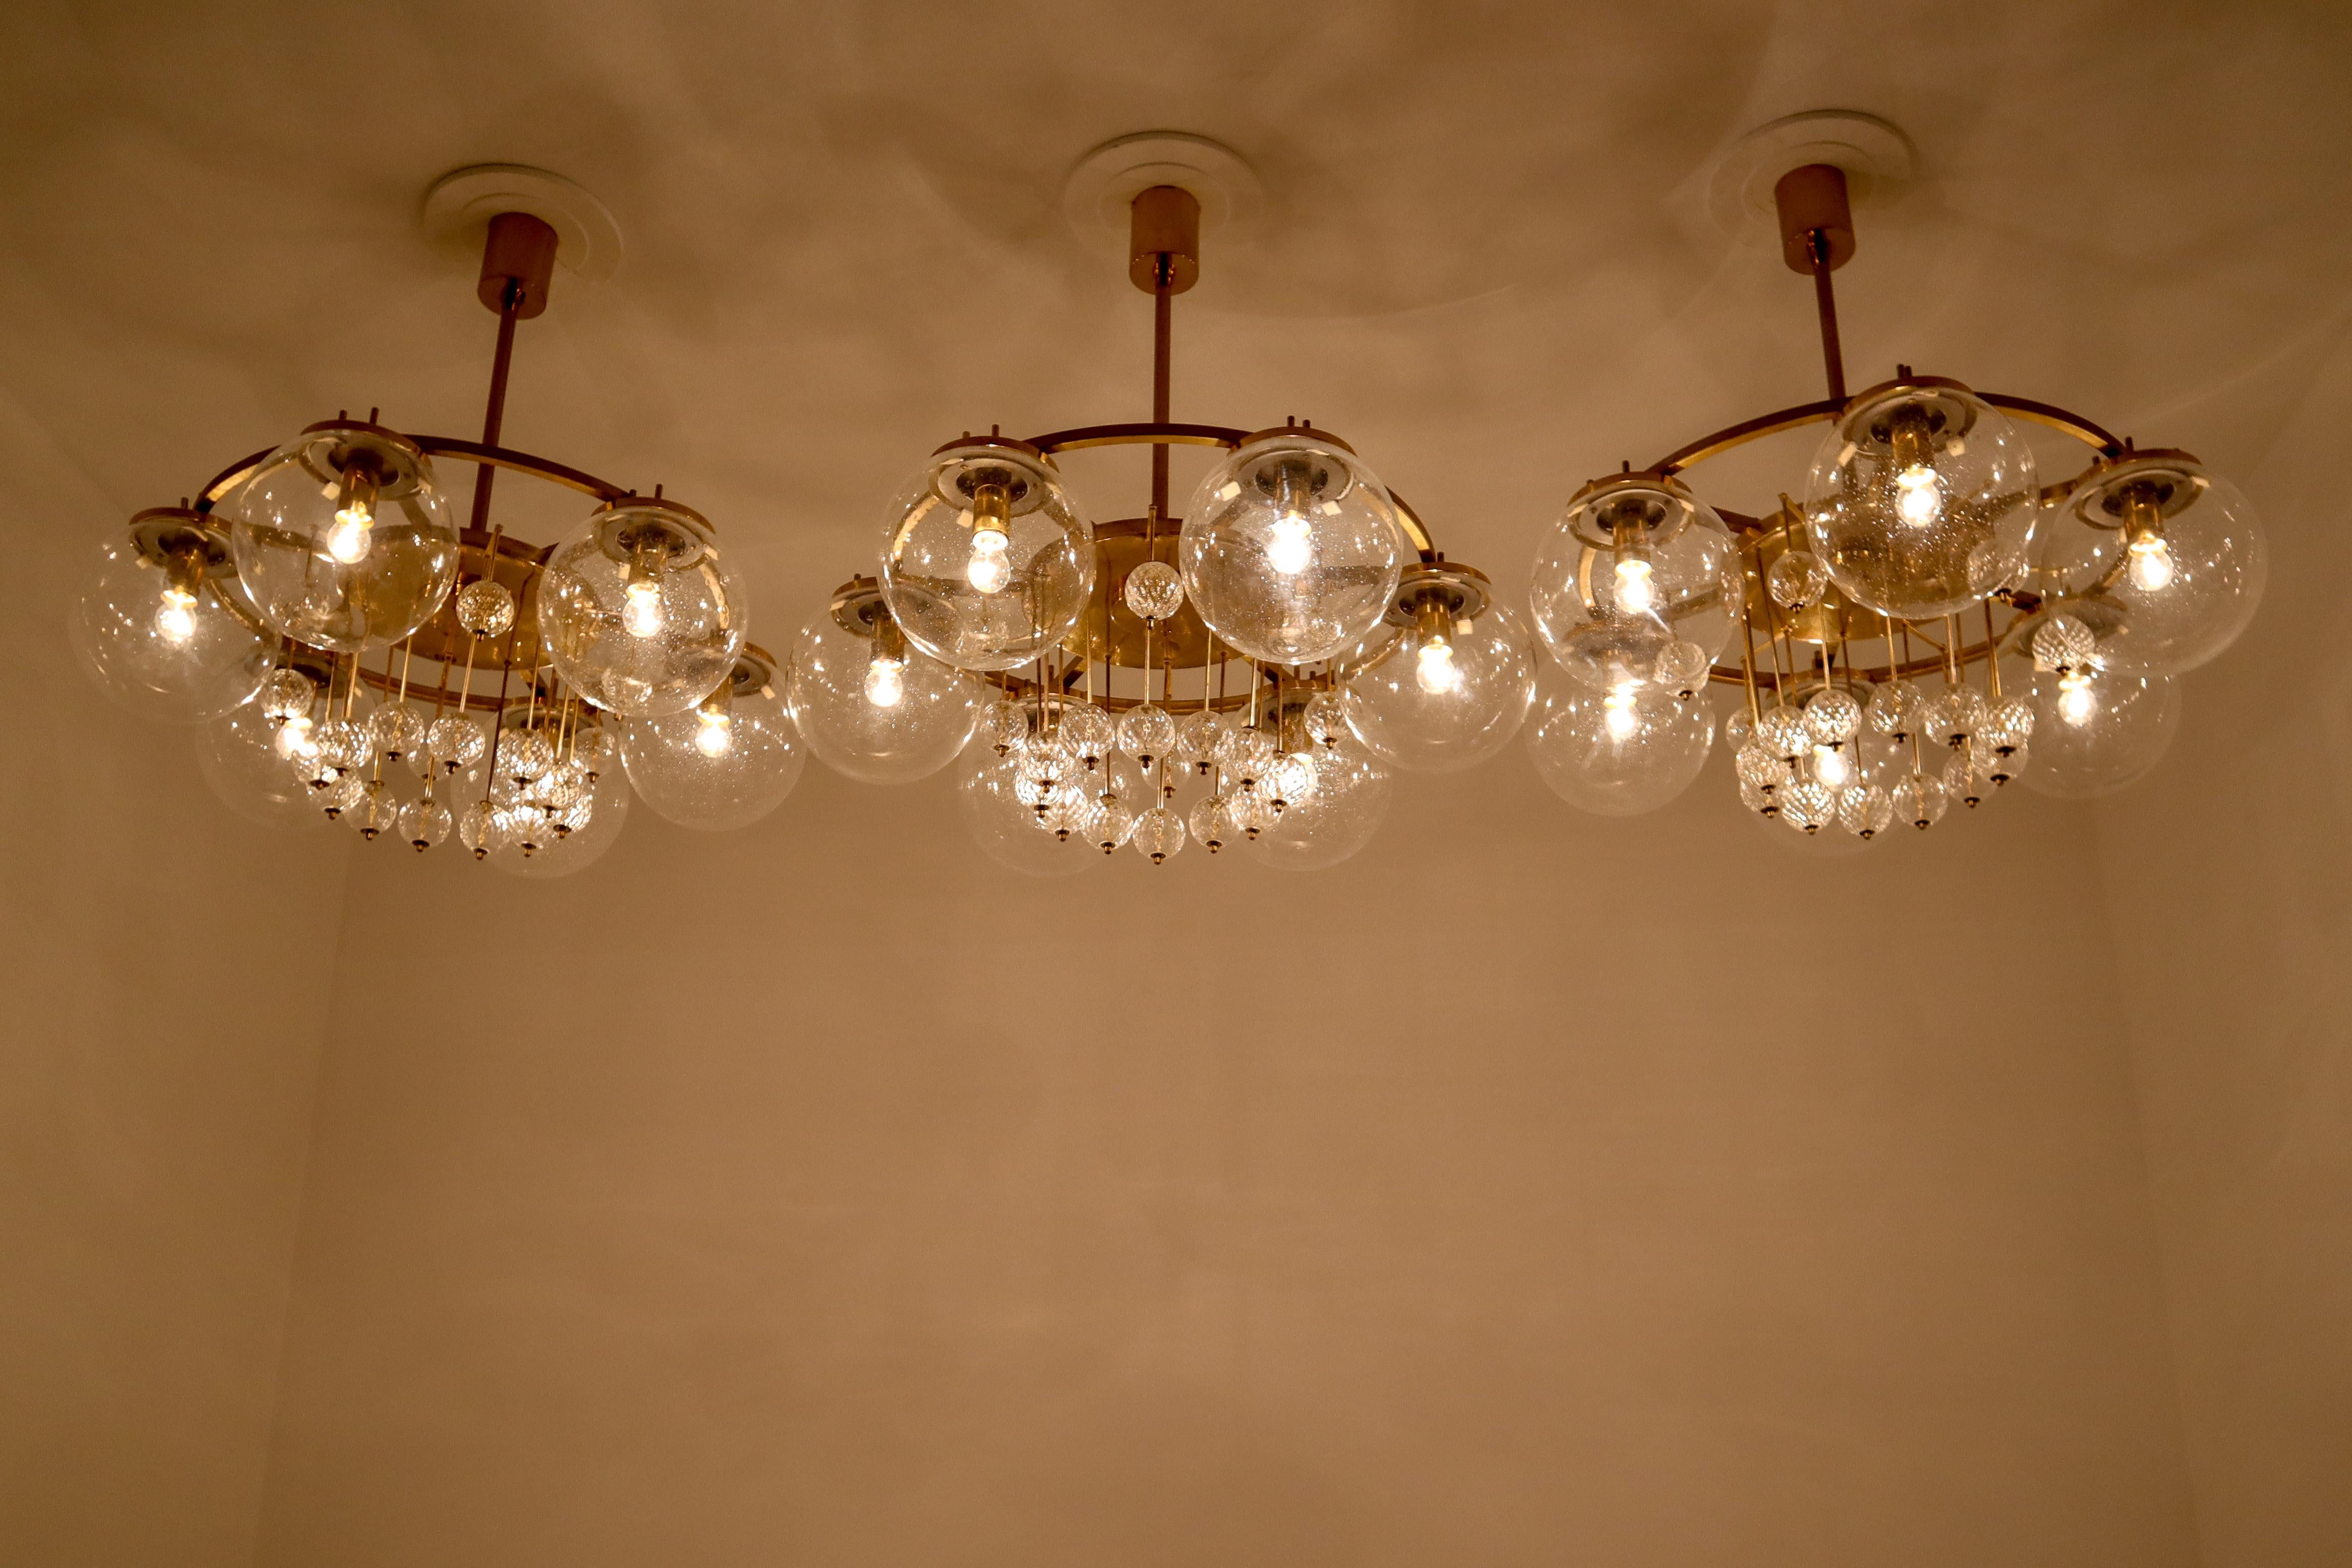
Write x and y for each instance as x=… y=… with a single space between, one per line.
x=219 y=488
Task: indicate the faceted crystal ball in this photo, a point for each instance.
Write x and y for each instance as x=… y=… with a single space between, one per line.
x=986 y=562
x=1154 y=591
x=1864 y=810
x=1922 y=500
x=1147 y=733
x=2171 y=549
x=343 y=539
x=879 y=711
x=1833 y=717
x=1350 y=801
x=1004 y=725
x=2094 y=734
x=640 y=609
x=1624 y=751
x=396 y=729
x=1952 y=715
x=155 y=634
x=716 y=771
x=1635 y=566
x=1807 y=806
x=1797 y=579
x=1784 y=732
x=1291 y=549
x=2061 y=642
x=1442 y=714
x=1893 y=710
x=457 y=741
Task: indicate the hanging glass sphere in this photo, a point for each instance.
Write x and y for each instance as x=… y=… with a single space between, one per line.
x=458 y=740
x=1447 y=693
x=1158 y=835
x=1960 y=781
x=1087 y=732
x=986 y=563
x=1922 y=500
x=640 y=609
x=1807 y=806
x=2168 y=557
x=425 y=822
x=1920 y=801
x=1893 y=710
x=343 y=539
x=2007 y=726
x=239 y=756
x=1114 y=823
x=1246 y=753
x=574 y=838
x=1291 y=548
x=1627 y=751
x=2094 y=734
x=2061 y=642
x=1006 y=826
x=725 y=765
x=153 y=630
x=1636 y=566
x=1147 y=733
x=396 y=729
x=1833 y=717
x=287 y=694
x=486 y=607
x=1952 y=715
x=1154 y=590
x=1864 y=810
x=1213 y=824
x=342 y=795
x=1783 y=731
x=874 y=708
x=1797 y=580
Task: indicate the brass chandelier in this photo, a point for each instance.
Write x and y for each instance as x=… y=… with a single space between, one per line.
x=1247 y=672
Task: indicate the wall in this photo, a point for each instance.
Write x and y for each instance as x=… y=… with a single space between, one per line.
x=166 y=968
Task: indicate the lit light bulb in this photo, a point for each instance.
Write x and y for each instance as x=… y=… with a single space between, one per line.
x=641 y=610
x=293 y=741
x=2151 y=564
x=175 y=618
x=1290 y=544
x=1622 y=719
x=1917 y=502
x=1637 y=593
x=1830 y=767
x=716 y=734
x=1435 y=669
x=885 y=680
x=2076 y=701
x=989 y=570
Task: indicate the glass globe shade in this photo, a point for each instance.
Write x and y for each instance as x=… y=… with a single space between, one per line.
x=1008 y=829
x=342 y=538
x=1291 y=549
x=1922 y=500
x=2167 y=559
x=153 y=630
x=239 y=756
x=595 y=820
x=875 y=708
x=1447 y=694
x=1621 y=752
x=640 y=609
x=722 y=765
x=1349 y=803
x=2094 y=734
x=986 y=562
x=1635 y=565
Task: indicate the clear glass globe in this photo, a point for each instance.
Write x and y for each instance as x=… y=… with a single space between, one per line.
x=1922 y=500
x=1797 y=579
x=425 y=822
x=1008 y=829
x=241 y=759
x=1833 y=716
x=342 y=538
x=1291 y=549
x=640 y=609
x=986 y=562
x=1623 y=751
x=1894 y=708
x=1918 y=800
x=1147 y=733
x=584 y=831
x=1349 y=803
x=1634 y=566
x=2094 y=734
x=1158 y=835
x=1864 y=810
x=1447 y=695
x=1213 y=824
x=1154 y=590
x=876 y=709
x=2170 y=555
x=154 y=631
x=723 y=765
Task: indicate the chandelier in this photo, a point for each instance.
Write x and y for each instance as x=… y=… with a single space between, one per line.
x=1865 y=626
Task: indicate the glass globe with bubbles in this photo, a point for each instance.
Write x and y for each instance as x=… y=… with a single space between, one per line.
x=1922 y=498
x=160 y=627
x=986 y=562
x=342 y=538
x=724 y=764
x=1291 y=549
x=871 y=706
x=1350 y=801
x=1455 y=686
x=1625 y=750
x=1008 y=828
x=2095 y=732
x=2165 y=559
x=1636 y=566
x=640 y=609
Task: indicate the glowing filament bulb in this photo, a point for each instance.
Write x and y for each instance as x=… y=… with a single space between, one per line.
x=348 y=540
x=1830 y=767
x=1916 y=500
x=2076 y=702
x=1637 y=591
x=1622 y=719
x=716 y=734
x=885 y=680
x=641 y=608
x=2151 y=564
x=1435 y=670
x=293 y=741
x=989 y=570
x=175 y=618
x=1290 y=544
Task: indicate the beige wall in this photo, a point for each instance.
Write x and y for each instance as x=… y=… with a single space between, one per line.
x=2229 y=879
x=163 y=978
x=819 y=1194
